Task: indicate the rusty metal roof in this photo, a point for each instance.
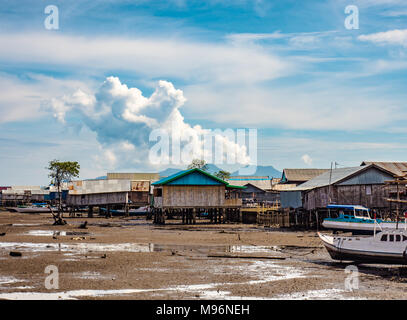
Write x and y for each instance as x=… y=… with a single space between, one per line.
x=301 y=175
x=397 y=168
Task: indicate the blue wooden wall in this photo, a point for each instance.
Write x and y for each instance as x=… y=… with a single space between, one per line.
x=195 y=179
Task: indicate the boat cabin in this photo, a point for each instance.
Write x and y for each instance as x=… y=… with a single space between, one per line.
x=393 y=236
x=348 y=212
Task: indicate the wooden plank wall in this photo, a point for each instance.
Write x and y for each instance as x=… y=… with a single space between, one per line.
x=193 y=196
x=141 y=198
x=355 y=194
x=97 y=199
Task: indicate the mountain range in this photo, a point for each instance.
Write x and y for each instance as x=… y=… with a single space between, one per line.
x=212 y=168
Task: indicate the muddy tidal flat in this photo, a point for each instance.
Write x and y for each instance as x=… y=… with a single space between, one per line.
x=130 y=258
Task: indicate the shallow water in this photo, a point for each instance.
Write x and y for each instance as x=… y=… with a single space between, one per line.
x=127 y=247
x=55 y=233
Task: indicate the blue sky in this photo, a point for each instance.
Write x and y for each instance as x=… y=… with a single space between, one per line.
x=315 y=91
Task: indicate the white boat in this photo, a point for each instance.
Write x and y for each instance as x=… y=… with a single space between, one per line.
x=357 y=219
x=30 y=209
x=388 y=246
x=135 y=212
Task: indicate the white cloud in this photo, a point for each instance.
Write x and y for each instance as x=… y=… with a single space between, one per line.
x=152 y=57
x=22 y=99
x=392 y=37
x=314 y=106
x=123 y=119
x=307 y=159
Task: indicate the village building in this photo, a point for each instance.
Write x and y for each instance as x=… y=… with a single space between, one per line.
x=133 y=176
x=196 y=193
x=295 y=177
x=397 y=168
x=110 y=194
x=363 y=185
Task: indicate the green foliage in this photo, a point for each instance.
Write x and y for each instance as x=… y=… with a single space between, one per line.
x=221 y=174
x=63 y=171
x=199 y=164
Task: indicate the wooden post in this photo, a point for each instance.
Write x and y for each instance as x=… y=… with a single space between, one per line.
x=90 y=212
x=126 y=210
x=194 y=215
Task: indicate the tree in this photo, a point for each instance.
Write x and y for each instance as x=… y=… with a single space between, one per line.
x=221 y=174
x=199 y=164
x=60 y=172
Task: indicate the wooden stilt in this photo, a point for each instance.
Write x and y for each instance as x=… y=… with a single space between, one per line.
x=90 y=212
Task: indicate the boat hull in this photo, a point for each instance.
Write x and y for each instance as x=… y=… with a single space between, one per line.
x=360 y=227
x=362 y=256
x=30 y=210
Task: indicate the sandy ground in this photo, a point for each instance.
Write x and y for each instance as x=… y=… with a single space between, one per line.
x=130 y=258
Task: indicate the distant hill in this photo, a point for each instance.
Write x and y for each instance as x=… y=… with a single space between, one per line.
x=212 y=168
x=169 y=171
x=263 y=171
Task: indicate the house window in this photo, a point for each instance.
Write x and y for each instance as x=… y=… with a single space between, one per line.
x=158 y=192
x=368 y=190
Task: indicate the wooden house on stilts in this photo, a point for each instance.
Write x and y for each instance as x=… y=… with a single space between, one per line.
x=196 y=193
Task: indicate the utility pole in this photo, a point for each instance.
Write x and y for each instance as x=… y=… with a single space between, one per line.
x=329 y=186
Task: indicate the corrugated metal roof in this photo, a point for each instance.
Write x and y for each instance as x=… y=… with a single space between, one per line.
x=249 y=178
x=261 y=182
x=396 y=168
x=193 y=177
x=327 y=178
x=302 y=174
x=133 y=176
x=99 y=186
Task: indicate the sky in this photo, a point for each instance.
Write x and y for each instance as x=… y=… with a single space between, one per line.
x=316 y=83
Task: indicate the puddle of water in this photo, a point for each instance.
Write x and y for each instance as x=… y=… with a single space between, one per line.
x=55 y=233
x=90 y=275
x=8 y=280
x=65 y=295
x=76 y=247
x=196 y=248
x=267 y=271
x=250 y=249
x=128 y=247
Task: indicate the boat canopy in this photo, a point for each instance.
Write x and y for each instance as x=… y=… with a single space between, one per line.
x=346 y=206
